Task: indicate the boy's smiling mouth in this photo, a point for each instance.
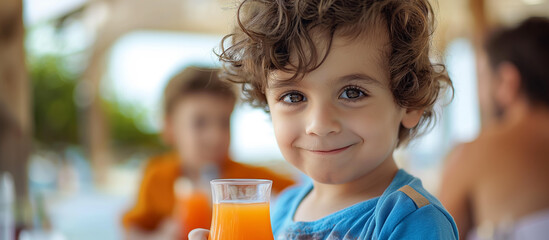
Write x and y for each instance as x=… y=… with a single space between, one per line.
x=330 y=151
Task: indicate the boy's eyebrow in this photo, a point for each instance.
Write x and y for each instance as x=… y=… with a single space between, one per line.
x=346 y=78
x=359 y=76
x=274 y=84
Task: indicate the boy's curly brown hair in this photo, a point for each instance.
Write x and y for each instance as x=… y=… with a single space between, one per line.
x=269 y=31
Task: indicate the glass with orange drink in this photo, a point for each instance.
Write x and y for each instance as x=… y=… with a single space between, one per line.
x=241 y=209
x=194 y=208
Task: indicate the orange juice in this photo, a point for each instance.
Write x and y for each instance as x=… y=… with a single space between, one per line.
x=194 y=212
x=241 y=221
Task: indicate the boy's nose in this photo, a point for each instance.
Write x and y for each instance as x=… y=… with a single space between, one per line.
x=322 y=120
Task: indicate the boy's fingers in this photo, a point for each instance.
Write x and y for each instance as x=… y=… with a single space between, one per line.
x=199 y=234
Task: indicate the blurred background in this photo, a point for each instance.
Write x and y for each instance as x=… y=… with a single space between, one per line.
x=81 y=83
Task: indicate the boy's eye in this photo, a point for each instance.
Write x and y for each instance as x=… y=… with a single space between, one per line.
x=293 y=97
x=352 y=93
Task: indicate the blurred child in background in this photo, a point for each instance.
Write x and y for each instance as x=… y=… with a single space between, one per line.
x=198 y=109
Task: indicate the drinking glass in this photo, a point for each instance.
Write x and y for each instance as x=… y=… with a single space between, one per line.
x=241 y=209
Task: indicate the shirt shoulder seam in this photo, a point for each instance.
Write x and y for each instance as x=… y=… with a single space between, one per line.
x=418 y=199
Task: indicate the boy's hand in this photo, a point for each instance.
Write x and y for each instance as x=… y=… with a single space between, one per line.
x=199 y=234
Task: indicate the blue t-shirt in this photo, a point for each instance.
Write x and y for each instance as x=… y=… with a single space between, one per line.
x=404 y=211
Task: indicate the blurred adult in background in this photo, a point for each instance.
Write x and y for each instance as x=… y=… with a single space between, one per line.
x=198 y=107
x=497 y=187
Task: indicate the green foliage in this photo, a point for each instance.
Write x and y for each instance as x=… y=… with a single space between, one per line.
x=124 y=131
x=59 y=122
x=54 y=110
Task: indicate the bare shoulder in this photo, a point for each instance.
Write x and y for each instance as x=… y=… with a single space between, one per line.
x=466 y=162
x=478 y=153
x=461 y=158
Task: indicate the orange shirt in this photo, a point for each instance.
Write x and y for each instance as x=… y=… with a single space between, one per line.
x=156 y=198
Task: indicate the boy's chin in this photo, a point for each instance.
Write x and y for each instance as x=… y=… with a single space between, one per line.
x=329 y=178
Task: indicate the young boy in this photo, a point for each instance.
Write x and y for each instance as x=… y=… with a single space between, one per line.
x=198 y=108
x=345 y=82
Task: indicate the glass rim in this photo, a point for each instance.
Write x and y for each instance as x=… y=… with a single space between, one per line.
x=240 y=181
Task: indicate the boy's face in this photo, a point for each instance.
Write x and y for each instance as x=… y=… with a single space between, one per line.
x=199 y=128
x=340 y=121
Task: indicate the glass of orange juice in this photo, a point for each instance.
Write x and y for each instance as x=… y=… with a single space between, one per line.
x=241 y=209
x=193 y=206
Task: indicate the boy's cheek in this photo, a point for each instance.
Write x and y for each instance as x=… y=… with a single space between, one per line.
x=286 y=129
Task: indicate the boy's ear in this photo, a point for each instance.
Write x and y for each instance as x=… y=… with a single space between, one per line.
x=167 y=131
x=411 y=117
